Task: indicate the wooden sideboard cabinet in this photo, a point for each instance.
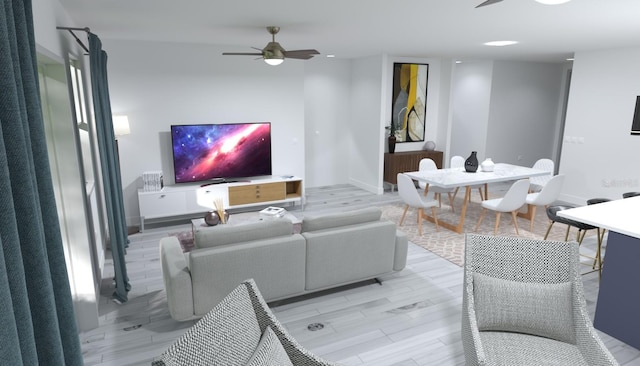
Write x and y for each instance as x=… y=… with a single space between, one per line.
x=407 y=161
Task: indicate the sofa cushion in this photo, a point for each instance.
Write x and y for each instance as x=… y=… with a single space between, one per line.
x=349 y=254
x=228 y=334
x=505 y=348
x=229 y=234
x=534 y=308
x=313 y=223
x=277 y=265
x=269 y=351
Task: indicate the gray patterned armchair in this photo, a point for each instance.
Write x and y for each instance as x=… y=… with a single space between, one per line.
x=240 y=330
x=523 y=304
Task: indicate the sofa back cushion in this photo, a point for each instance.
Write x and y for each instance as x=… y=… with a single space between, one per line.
x=349 y=254
x=314 y=223
x=229 y=234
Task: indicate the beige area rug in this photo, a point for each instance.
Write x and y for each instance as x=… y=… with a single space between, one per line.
x=450 y=245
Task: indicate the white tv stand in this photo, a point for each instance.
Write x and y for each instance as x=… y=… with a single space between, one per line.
x=191 y=199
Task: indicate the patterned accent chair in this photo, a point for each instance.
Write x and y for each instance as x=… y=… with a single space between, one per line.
x=240 y=330
x=523 y=304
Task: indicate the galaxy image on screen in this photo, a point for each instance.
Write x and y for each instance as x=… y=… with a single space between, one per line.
x=213 y=151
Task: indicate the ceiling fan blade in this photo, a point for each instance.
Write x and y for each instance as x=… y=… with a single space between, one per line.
x=301 y=54
x=488 y=2
x=241 y=54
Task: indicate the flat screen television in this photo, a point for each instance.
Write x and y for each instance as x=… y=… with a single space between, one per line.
x=221 y=152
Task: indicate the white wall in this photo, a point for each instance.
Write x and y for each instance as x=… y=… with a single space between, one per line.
x=157 y=84
x=604 y=88
x=507 y=111
x=523 y=113
x=366 y=124
x=471 y=95
x=327 y=90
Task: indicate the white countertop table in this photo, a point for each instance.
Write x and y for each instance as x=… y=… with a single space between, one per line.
x=458 y=177
x=617 y=309
x=618 y=215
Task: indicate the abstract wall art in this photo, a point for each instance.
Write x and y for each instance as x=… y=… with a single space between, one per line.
x=409 y=101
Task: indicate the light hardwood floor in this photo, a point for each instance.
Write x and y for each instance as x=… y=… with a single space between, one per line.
x=413 y=318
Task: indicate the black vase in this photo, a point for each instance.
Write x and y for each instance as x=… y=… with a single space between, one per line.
x=392 y=144
x=471 y=164
x=212 y=218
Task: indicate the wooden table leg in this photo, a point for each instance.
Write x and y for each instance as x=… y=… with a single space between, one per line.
x=460 y=226
x=527 y=215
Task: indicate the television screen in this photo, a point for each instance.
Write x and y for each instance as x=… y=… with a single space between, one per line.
x=215 y=151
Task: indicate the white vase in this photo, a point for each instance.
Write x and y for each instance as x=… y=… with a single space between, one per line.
x=487 y=165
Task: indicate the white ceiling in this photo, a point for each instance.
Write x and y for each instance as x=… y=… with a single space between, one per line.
x=360 y=28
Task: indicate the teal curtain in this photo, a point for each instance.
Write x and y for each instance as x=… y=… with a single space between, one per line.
x=110 y=166
x=37 y=323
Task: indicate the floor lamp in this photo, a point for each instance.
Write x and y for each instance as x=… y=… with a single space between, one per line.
x=120 y=128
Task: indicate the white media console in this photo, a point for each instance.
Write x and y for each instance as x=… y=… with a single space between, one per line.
x=191 y=199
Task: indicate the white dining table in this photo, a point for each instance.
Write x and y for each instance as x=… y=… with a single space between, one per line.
x=459 y=177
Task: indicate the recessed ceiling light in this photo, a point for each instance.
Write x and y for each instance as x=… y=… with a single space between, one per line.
x=570 y=59
x=500 y=43
x=331 y=56
x=552 y=2
x=458 y=61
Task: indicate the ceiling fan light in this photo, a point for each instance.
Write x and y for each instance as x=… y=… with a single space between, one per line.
x=500 y=43
x=274 y=61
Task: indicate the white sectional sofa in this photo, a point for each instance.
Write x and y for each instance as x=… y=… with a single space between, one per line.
x=331 y=250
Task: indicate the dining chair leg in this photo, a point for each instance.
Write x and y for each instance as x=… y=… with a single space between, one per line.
x=406 y=207
x=435 y=218
x=566 y=235
x=495 y=229
x=420 y=221
x=546 y=235
x=455 y=192
x=481 y=217
x=533 y=217
x=481 y=195
x=514 y=217
x=439 y=199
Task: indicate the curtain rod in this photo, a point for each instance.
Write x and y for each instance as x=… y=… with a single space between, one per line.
x=71 y=29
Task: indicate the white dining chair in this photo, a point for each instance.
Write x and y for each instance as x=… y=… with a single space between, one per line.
x=457 y=161
x=412 y=198
x=546 y=196
x=536 y=183
x=511 y=202
x=427 y=164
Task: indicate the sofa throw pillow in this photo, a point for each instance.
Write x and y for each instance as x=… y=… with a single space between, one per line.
x=230 y=234
x=228 y=334
x=544 y=310
x=354 y=217
x=269 y=351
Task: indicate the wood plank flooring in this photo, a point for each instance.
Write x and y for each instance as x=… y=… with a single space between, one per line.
x=413 y=318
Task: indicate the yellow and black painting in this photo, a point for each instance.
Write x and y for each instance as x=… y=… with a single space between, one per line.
x=409 y=101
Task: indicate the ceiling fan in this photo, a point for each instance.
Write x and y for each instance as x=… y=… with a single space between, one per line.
x=488 y=2
x=274 y=54
x=546 y=2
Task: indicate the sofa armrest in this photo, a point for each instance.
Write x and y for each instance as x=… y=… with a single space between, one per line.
x=402 y=247
x=177 y=279
x=298 y=354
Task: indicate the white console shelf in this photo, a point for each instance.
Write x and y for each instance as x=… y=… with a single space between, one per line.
x=191 y=199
